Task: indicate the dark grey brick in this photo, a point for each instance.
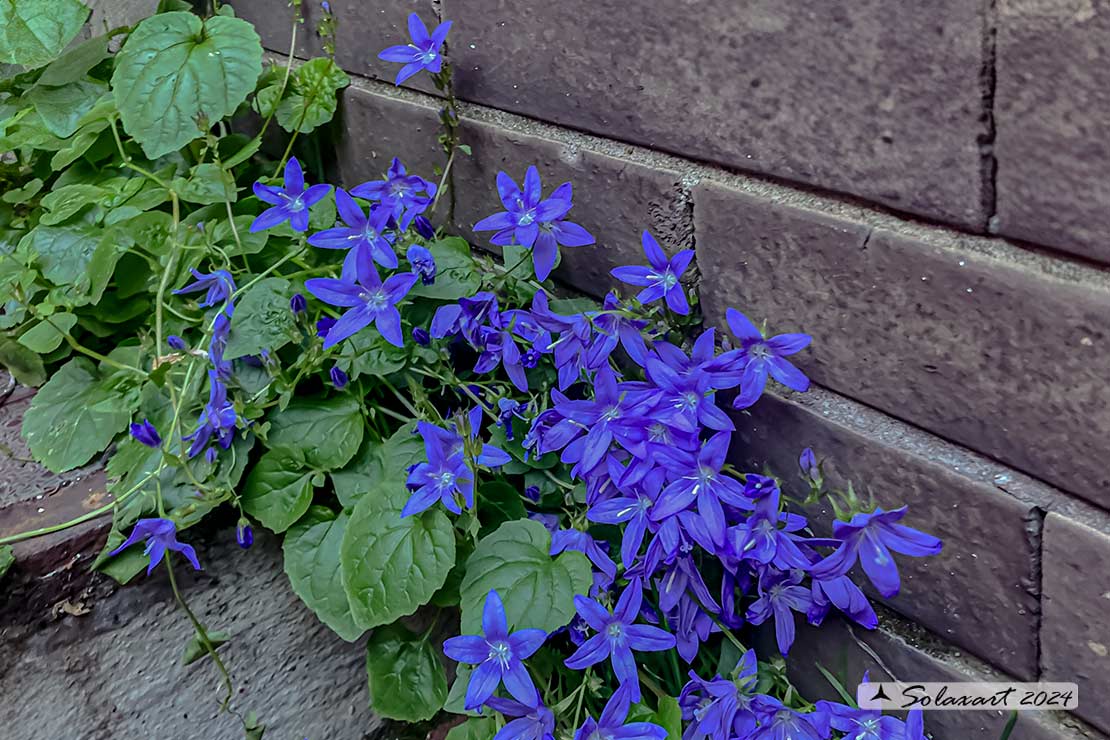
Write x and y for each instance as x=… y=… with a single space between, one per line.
x=1075 y=631
x=878 y=98
x=907 y=655
x=615 y=199
x=365 y=27
x=1003 y=359
x=1052 y=102
x=975 y=593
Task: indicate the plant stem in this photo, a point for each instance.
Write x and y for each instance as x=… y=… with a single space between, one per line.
x=202 y=635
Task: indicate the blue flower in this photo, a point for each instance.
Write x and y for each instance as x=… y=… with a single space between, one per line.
x=780 y=596
x=443 y=476
x=617 y=636
x=687 y=400
x=846 y=596
x=364 y=237
x=633 y=509
x=423 y=53
x=915 y=725
x=757 y=358
x=423 y=263
x=404 y=196
x=807 y=461
x=146 y=434
x=218 y=418
x=338 y=377
x=297 y=304
x=219 y=284
x=244 y=534
x=176 y=342
x=369 y=301
x=421 y=336
x=615 y=413
x=532 y=723
x=498 y=655
x=160 y=535
x=717 y=708
x=572 y=539
x=610 y=725
x=552 y=235
x=289 y=202
x=524 y=211
x=661 y=280
x=861 y=724
x=870 y=538
x=777 y=721
x=760 y=539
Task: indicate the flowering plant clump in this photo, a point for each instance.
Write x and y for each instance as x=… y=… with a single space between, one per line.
x=426 y=426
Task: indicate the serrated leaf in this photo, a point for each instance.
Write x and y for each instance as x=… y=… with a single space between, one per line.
x=63 y=252
x=33 y=32
x=262 y=319
x=538 y=591
x=393 y=565
x=328 y=431
x=195 y=649
x=73 y=417
x=311 y=551
x=312 y=100
x=47 y=335
x=406 y=677
x=378 y=462
x=278 y=490
x=214 y=65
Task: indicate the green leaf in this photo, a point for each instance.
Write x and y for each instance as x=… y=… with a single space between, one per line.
x=278 y=490
x=456 y=271
x=669 y=717
x=22 y=363
x=327 y=430
x=33 y=32
x=312 y=100
x=207 y=184
x=475 y=728
x=45 y=336
x=214 y=65
x=393 y=565
x=311 y=550
x=456 y=697
x=61 y=108
x=75 y=63
x=499 y=502
x=262 y=319
x=63 y=252
x=73 y=417
x=195 y=650
x=23 y=194
x=376 y=464
x=406 y=677
x=7 y=559
x=67 y=200
x=538 y=591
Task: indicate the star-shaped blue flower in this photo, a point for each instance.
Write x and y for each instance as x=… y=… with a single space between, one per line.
x=366 y=238
x=160 y=535
x=498 y=655
x=757 y=358
x=290 y=202
x=661 y=279
x=369 y=301
x=422 y=53
x=524 y=211
x=617 y=636
x=610 y=725
x=219 y=286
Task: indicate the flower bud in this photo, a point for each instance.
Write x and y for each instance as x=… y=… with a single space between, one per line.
x=146 y=434
x=298 y=304
x=338 y=377
x=424 y=227
x=176 y=342
x=244 y=535
x=420 y=336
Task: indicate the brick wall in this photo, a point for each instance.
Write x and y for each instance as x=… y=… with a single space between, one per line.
x=921 y=186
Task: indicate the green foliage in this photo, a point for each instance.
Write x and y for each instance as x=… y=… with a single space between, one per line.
x=215 y=64
x=7 y=559
x=312 y=98
x=393 y=565
x=195 y=649
x=538 y=591
x=278 y=490
x=263 y=320
x=33 y=32
x=74 y=416
x=407 y=680
x=312 y=563
x=327 y=431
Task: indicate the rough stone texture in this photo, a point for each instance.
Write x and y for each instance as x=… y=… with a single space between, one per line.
x=365 y=27
x=615 y=201
x=976 y=593
x=1003 y=359
x=1075 y=633
x=847 y=651
x=1052 y=102
x=879 y=99
x=115 y=673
